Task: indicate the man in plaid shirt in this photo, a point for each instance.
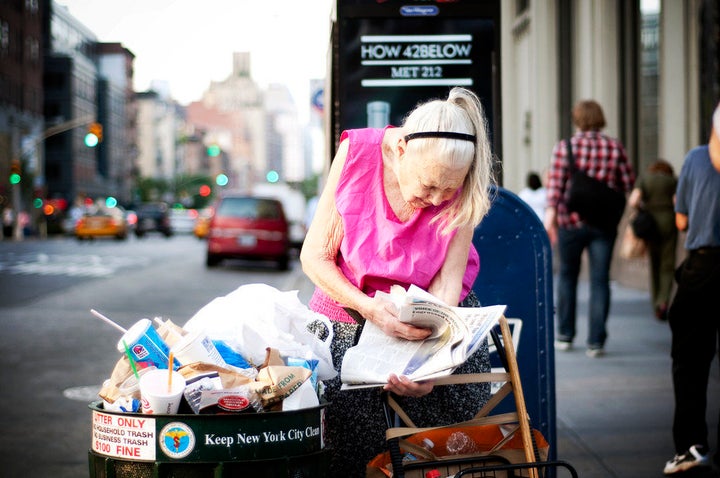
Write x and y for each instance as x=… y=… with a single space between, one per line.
x=603 y=158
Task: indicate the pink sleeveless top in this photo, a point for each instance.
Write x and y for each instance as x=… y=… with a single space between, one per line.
x=378 y=250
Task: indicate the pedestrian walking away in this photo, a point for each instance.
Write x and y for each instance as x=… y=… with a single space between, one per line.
x=693 y=317
x=603 y=158
x=654 y=192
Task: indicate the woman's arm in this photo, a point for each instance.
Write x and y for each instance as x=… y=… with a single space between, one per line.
x=635 y=199
x=319 y=261
x=447 y=283
x=322 y=243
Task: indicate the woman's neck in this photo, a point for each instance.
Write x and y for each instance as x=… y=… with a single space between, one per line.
x=403 y=211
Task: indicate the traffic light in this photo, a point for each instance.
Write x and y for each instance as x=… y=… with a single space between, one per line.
x=205 y=190
x=272 y=176
x=213 y=150
x=221 y=179
x=94 y=135
x=15 y=172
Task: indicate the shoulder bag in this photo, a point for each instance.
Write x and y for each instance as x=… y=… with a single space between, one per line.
x=644 y=225
x=596 y=203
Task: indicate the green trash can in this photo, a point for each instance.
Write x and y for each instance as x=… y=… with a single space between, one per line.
x=270 y=444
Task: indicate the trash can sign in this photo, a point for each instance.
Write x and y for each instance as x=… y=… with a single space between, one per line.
x=126 y=437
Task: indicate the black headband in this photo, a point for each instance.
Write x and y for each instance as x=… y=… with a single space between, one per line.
x=441 y=134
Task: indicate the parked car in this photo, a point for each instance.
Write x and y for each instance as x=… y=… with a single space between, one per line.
x=153 y=217
x=102 y=222
x=182 y=221
x=248 y=227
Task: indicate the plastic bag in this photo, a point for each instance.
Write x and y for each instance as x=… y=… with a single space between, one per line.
x=257 y=316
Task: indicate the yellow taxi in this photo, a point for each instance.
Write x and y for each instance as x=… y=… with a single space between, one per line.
x=202 y=223
x=102 y=222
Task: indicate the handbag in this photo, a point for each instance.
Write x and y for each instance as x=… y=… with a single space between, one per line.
x=631 y=246
x=598 y=204
x=644 y=225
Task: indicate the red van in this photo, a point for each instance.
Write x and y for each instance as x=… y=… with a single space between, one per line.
x=248 y=227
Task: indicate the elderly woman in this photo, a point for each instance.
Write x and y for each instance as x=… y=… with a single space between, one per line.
x=399 y=207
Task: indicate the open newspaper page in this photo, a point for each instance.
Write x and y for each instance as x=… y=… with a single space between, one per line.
x=456 y=333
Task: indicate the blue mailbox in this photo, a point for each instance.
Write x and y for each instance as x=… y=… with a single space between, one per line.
x=516 y=270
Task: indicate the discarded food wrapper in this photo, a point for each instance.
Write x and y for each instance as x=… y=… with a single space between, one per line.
x=276 y=382
x=304 y=397
x=229 y=378
x=230 y=356
x=310 y=364
x=240 y=399
x=198 y=384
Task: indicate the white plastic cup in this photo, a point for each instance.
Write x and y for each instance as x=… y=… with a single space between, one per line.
x=131 y=385
x=197 y=347
x=155 y=396
x=145 y=344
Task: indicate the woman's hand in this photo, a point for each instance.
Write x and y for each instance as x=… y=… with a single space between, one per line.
x=407 y=388
x=385 y=314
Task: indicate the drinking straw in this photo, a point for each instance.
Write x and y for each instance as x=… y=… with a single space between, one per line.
x=170 y=371
x=106 y=320
x=132 y=362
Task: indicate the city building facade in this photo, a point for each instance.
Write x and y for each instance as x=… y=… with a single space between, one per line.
x=652 y=65
x=21 y=105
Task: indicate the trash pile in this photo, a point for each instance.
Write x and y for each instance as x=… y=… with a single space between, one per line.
x=256 y=349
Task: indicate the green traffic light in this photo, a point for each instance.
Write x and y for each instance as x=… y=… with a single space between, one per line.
x=91 y=140
x=213 y=150
x=15 y=178
x=221 y=179
x=272 y=176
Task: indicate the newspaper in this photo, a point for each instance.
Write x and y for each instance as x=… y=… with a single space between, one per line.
x=457 y=332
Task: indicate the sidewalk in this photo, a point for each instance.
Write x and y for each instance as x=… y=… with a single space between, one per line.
x=614 y=413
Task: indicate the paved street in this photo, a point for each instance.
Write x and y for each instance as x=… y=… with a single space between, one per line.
x=54 y=354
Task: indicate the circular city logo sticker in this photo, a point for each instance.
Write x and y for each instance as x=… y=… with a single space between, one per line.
x=177 y=440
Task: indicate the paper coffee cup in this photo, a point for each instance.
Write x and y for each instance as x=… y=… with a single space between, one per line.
x=156 y=397
x=145 y=344
x=197 y=347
